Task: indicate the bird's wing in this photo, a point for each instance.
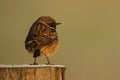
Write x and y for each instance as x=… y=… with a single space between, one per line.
x=39 y=35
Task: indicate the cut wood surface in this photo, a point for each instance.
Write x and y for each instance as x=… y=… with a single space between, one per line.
x=32 y=72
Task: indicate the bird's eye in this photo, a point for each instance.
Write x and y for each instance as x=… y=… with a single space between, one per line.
x=52 y=24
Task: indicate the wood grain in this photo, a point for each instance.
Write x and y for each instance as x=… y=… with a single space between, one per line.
x=32 y=72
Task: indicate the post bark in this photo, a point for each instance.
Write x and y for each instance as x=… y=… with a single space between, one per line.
x=32 y=72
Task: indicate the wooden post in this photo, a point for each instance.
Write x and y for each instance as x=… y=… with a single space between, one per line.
x=32 y=72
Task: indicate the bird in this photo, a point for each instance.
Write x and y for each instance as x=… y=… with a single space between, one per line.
x=42 y=38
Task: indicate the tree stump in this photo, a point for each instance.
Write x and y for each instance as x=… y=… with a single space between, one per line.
x=32 y=72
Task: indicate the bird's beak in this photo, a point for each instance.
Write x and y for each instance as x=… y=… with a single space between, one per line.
x=58 y=23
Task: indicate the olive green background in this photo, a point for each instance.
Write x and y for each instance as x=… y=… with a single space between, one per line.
x=89 y=35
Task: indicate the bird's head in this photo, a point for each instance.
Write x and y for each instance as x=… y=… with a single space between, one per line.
x=49 y=21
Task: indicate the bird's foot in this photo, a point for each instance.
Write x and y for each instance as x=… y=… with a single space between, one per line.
x=34 y=63
x=49 y=63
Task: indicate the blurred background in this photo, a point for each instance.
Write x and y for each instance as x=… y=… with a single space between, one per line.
x=89 y=35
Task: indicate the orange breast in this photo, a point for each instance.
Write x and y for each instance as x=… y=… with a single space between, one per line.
x=49 y=49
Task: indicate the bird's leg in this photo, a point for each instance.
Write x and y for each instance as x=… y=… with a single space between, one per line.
x=35 y=55
x=48 y=62
x=34 y=61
